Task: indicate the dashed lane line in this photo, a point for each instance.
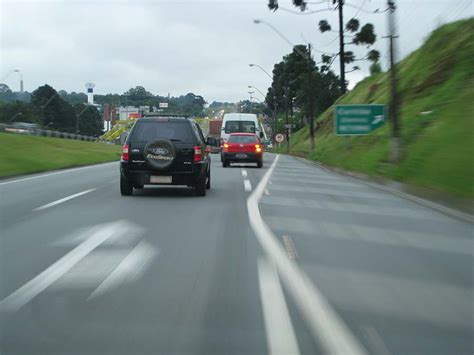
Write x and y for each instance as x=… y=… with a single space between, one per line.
x=247 y=185
x=64 y=199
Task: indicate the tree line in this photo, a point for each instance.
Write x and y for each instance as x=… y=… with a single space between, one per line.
x=69 y=112
x=46 y=108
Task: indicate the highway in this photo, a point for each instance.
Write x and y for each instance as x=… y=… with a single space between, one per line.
x=287 y=259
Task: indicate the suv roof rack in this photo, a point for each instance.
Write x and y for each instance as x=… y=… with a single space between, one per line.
x=160 y=114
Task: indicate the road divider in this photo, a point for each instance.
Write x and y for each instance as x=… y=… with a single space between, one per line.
x=324 y=323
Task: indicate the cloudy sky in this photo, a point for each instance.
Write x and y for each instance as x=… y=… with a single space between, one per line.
x=180 y=46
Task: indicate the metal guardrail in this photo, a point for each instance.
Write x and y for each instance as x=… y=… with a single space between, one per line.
x=47 y=133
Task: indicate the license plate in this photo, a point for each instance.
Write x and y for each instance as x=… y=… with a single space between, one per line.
x=161 y=179
x=241 y=156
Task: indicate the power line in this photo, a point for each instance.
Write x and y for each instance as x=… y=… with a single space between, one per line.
x=358 y=10
x=302 y=13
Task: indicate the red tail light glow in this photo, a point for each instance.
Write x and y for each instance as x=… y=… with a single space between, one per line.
x=125 y=156
x=197 y=154
x=258 y=148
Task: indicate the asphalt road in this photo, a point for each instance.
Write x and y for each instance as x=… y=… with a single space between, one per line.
x=288 y=259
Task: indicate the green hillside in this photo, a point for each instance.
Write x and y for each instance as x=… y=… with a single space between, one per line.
x=437 y=114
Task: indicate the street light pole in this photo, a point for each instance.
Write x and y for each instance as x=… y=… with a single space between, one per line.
x=274 y=111
x=251 y=103
x=261 y=68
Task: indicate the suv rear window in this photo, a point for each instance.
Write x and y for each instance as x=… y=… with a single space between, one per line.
x=145 y=131
x=239 y=127
x=242 y=139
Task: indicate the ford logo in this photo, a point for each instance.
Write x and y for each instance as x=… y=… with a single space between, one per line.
x=159 y=151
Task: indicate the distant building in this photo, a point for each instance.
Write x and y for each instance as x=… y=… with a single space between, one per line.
x=132 y=112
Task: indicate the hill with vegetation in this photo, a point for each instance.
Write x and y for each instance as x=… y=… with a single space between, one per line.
x=437 y=118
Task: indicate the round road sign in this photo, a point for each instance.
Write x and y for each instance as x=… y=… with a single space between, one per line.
x=279 y=137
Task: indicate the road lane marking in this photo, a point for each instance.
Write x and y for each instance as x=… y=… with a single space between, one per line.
x=290 y=247
x=324 y=323
x=38 y=284
x=247 y=185
x=56 y=173
x=281 y=337
x=129 y=269
x=61 y=200
x=244 y=173
x=376 y=341
x=371 y=234
x=456 y=214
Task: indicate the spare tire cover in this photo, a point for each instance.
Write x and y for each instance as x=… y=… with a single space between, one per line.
x=160 y=153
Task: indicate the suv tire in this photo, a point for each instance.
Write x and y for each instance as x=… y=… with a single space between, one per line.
x=200 y=188
x=225 y=163
x=259 y=164
x=208 y=183
x=126 y=189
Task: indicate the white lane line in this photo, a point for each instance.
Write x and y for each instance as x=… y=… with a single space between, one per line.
x=290 y=247
x=376 y=341
x=61 y=200
x=56 y=173
x=324 y=323
x=42 y=281
x=247 y=185
x=281 y=337
x=129 y=269
x=244 y=173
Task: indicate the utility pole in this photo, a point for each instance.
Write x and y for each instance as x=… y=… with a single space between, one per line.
x=395 y=152
x=275 y=113
x=287 y=89
x=311 y=97
x=341 y=47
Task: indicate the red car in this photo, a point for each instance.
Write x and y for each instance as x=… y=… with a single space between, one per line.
x=242 y=148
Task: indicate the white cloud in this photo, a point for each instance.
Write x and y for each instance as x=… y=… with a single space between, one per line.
x=180 y=46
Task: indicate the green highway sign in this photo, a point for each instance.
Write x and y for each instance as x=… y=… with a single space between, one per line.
x=352 y=120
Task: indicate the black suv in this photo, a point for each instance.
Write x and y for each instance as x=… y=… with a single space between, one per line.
x=162 y=150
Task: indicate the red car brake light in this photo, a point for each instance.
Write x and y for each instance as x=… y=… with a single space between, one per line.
x=125 y=156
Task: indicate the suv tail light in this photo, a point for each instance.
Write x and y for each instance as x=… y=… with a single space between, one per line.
x=125 y=152
x=197 y=154
x=258 y=148
x=225 y=146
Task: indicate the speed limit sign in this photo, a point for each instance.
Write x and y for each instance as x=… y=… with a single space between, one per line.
x=280 y=137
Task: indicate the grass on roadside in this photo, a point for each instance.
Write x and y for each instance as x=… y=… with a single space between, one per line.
x=23 y=154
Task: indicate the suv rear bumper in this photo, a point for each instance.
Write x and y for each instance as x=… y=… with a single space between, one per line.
x=142 y=177
x=250 y=157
